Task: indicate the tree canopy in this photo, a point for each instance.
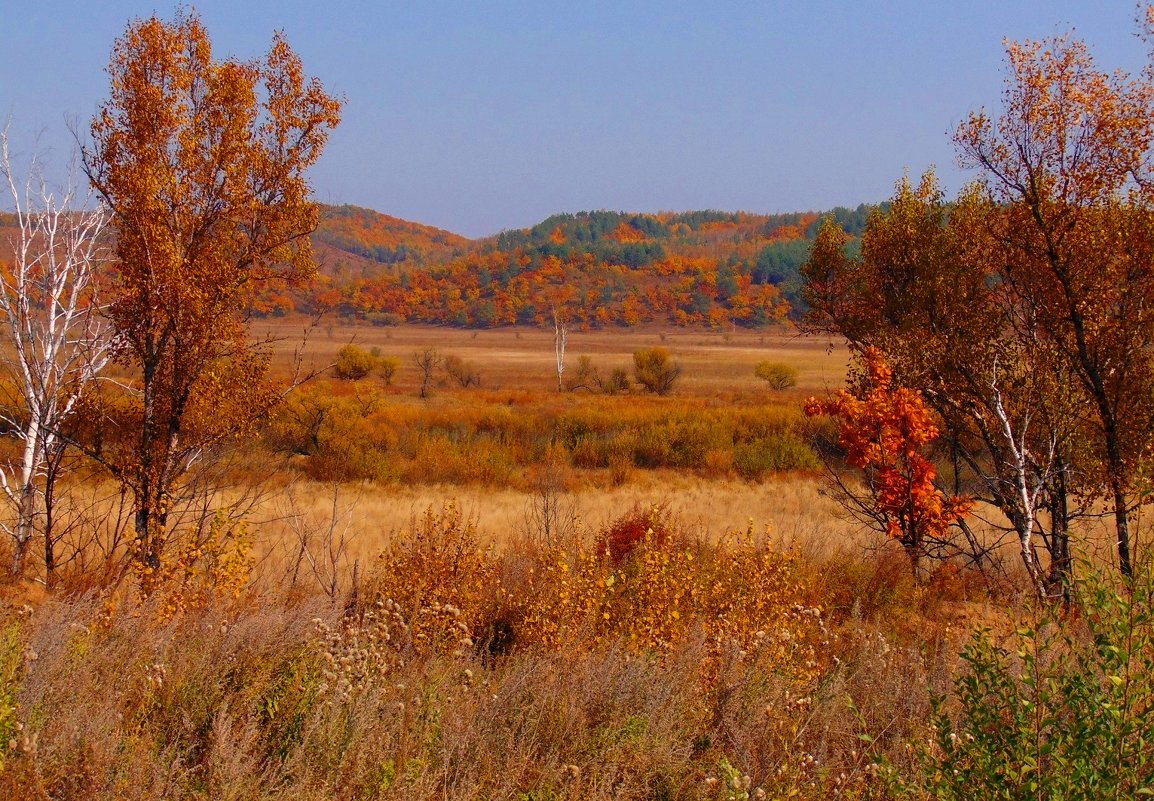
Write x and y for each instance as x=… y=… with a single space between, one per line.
x=202 y=163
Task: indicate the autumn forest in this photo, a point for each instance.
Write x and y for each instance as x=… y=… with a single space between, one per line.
x=303 y=500
x=697 y=269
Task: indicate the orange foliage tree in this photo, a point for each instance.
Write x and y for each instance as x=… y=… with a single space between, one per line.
x=885 y=430
x=1024 y=310
x=1068 y=170
x=202 y=164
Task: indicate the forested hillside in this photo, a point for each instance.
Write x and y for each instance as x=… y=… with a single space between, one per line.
x=595 y=268
x=353 y=242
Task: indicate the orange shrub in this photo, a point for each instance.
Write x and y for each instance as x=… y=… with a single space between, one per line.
x=440 y=578
x=738 y=593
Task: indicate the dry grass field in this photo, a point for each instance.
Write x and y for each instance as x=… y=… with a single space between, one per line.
x=714 y=363
x=789 y=512
x=517 y=367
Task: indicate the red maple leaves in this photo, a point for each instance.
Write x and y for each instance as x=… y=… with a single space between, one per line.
x=885 y=431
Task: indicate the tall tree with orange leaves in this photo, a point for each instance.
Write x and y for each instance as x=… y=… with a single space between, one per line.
x=1068 y=172
x=202 y=164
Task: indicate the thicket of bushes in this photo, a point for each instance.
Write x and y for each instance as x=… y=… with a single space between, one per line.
x=352 y=435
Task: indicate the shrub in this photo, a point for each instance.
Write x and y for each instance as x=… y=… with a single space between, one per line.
x=654 y=371
x=464 y=373
x=778 y=375
x=679 y=442
x=387 y=367
x=584 y=375
x=775 y=453
x=616 y=383
x=441 y=576
x=353 y=363
x=382 y=319
x=1063 y=712
x=624 y=535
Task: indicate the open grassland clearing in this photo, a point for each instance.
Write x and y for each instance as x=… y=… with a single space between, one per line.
x=523 y=357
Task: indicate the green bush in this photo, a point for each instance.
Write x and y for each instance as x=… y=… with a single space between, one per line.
x=653 y=370
x=353 y=363
x=778 y=375
x=679 y=442
x=1065 y=711
x=774 y=453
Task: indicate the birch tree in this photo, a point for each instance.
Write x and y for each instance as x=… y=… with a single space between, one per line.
x=560 y=340
x=926 y=292
x=56 y=341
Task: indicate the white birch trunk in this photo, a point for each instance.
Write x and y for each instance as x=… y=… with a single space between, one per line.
x=48 y=313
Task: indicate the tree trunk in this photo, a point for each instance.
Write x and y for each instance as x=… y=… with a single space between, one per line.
x=49 y=536
x=1061 y=564
x=25 y=527
x=560 y=339
x=1122 y=527
x=150 y=523
x=52 y=470
x=1024 y=528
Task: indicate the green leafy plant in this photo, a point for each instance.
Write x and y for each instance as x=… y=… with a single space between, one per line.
x=1062 y=709
x=11 y=661
x=777 y=375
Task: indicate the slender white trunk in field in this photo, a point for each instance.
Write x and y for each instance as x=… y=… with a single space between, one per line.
x=560 y=340
x=56 y=343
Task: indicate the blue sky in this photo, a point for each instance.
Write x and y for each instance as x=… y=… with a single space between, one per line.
x=482 y=116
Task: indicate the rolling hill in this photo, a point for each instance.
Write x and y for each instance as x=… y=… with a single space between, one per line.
x=597 y=268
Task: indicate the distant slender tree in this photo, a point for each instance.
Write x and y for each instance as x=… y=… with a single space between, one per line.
x=427 y=361
x=202 y=165
x=560 y=340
